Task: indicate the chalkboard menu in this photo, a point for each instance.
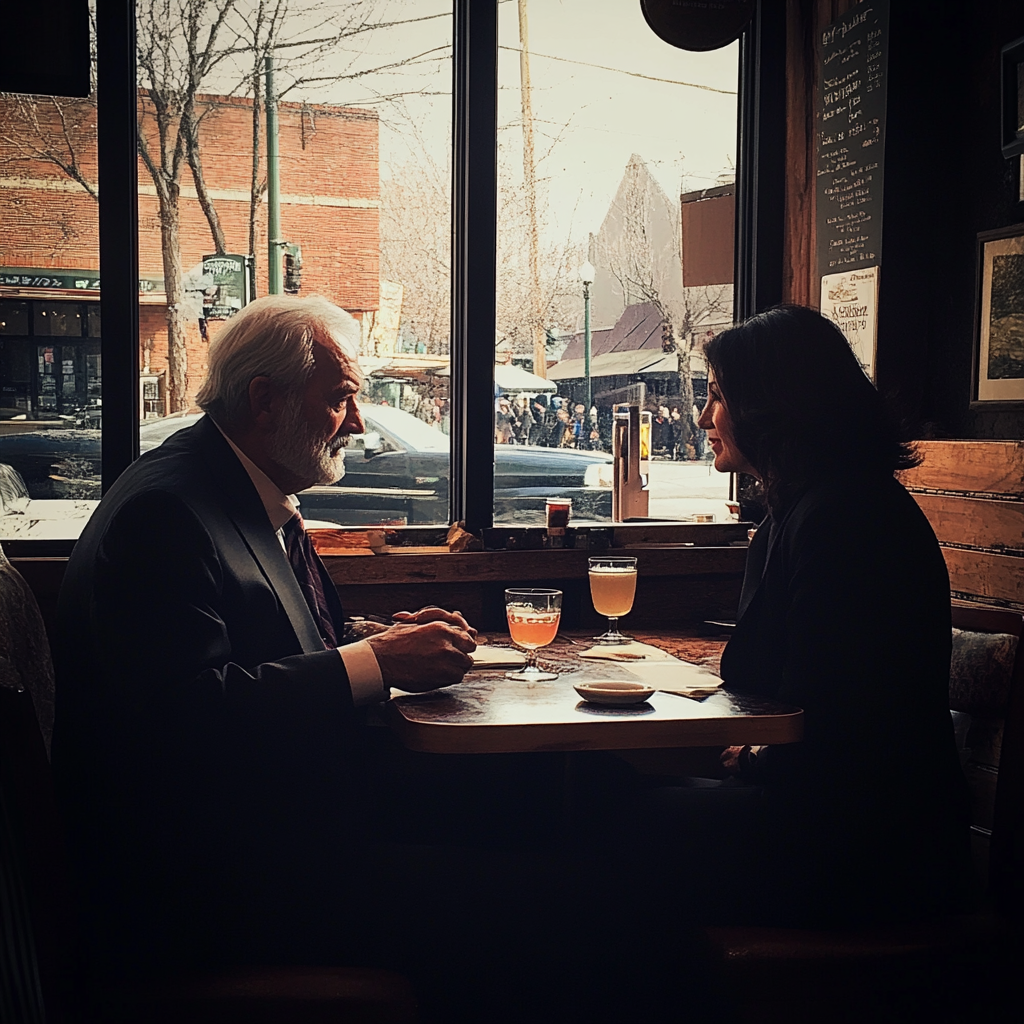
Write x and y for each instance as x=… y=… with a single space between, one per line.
x=850 y=152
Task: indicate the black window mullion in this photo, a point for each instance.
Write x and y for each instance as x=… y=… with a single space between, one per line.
x=760 y=159
x=119 y=234
x=474 y=216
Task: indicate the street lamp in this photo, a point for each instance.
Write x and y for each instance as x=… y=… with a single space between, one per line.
x=587 y=277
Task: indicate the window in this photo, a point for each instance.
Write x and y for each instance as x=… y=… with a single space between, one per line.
x=355 y=99
x=51 y=384
x=372 y=106
x=604 y=133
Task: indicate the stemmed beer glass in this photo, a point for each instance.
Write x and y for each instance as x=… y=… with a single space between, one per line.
x=612 y=589
x=533 y=617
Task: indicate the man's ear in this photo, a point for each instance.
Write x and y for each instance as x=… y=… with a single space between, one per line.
x=265 y=402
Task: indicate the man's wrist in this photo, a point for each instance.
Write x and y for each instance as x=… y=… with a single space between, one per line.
x=364 y=675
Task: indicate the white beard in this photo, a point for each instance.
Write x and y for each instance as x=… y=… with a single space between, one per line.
x=295 y=447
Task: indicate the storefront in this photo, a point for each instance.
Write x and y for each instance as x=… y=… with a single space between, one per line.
x=50 y=364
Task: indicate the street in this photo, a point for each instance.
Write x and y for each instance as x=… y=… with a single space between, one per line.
x=682 y=489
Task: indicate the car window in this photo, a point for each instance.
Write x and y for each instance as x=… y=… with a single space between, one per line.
x=379 y=443
x=410 y=433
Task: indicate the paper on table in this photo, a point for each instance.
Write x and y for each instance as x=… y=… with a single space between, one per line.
x=633 y=651
x=497 y=657
x=677 y=676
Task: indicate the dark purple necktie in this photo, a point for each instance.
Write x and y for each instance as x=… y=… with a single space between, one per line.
x=314 y=581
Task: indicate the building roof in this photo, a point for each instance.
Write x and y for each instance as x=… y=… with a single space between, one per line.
x=639 y=327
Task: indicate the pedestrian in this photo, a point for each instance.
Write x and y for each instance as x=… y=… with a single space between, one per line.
x=504 y=423
x=680 y=435
x=560 y=434
x=580 y=427
x=661 y=428
x=699 y=436
x=541 y=419
x=526 y=420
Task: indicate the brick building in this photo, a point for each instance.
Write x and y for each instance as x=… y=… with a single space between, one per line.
x=50 y=326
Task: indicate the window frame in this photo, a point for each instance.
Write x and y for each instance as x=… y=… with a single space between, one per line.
x=759 y=227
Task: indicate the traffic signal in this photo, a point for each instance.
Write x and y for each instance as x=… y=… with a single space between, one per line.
x=292 y=269
x=668 y=342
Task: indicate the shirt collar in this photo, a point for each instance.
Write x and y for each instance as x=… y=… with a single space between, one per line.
x=280 y=506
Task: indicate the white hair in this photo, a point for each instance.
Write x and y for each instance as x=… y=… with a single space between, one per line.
x=272 y=337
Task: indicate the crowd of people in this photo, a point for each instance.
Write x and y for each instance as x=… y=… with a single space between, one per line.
x=550 y=422
x=556 y=422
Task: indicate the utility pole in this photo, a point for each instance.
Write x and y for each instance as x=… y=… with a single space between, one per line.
x=540 y=359
x=274 y=240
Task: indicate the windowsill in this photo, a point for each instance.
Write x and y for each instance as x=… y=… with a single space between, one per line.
x=529 y=566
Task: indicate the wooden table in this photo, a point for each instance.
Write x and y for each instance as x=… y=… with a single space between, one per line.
x=489 y=714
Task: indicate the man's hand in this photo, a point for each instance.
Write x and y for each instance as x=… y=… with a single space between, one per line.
x=434 y=614
x=420 y=657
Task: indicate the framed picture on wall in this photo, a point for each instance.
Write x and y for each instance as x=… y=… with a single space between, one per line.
x=999 y=317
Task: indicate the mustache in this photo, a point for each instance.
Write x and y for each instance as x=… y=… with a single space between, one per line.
x=336 y=443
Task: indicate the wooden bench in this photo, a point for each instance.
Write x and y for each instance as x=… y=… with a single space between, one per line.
x=973 y=495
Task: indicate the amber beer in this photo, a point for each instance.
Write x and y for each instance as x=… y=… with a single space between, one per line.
x=533 y=616
x=612 y=589
x=532 y=629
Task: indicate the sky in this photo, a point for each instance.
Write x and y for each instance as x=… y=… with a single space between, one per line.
x=587 y=120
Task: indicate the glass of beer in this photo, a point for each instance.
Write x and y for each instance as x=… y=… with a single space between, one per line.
x=533 y=617
x=612 y=589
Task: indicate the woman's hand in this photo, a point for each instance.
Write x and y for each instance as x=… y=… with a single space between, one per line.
x=730 y=759
x=741 y=760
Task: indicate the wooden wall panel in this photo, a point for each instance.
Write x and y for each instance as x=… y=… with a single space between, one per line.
x=993 y=467
x=975 y=521
x=995 y=577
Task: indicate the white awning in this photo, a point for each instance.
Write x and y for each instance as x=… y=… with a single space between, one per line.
x=509 y=377
x=618 y=364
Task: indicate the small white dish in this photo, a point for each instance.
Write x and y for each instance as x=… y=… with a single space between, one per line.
x=614 y=693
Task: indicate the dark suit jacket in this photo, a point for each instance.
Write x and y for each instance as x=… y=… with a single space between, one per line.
x=849 y=620
x=204 y=741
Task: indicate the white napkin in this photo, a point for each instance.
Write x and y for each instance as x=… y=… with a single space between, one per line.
x=497 y=657
x=659 y=669
x=631 y=652
x=676 y=676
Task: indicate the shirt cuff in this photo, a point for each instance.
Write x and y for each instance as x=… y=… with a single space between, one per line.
x=364 y=678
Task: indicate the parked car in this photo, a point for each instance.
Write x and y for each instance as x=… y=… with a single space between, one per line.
x=398 y=469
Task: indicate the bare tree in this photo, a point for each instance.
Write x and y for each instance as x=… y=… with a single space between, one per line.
x=415 y=246
x=640 y=245
x=26 y=133
x=182 y=45
x=27 y=129
x=178 y=47
x=560 y=293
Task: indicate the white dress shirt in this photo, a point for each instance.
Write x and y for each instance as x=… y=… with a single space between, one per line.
x=360 y=662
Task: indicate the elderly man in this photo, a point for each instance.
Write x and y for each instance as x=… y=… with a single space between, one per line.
x=208 y=732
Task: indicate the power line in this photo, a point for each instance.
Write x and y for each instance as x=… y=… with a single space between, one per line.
x=621 y=71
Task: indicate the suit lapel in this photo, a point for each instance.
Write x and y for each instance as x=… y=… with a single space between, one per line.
x=244 y=508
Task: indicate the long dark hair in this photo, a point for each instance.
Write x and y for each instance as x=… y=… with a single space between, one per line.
x=800 y=404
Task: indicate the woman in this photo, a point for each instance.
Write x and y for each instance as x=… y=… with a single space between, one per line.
x=844 y=612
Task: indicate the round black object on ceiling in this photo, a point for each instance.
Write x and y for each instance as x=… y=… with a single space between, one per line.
x=698 y=24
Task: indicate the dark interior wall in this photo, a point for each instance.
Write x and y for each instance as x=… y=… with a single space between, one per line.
x=946 y=180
